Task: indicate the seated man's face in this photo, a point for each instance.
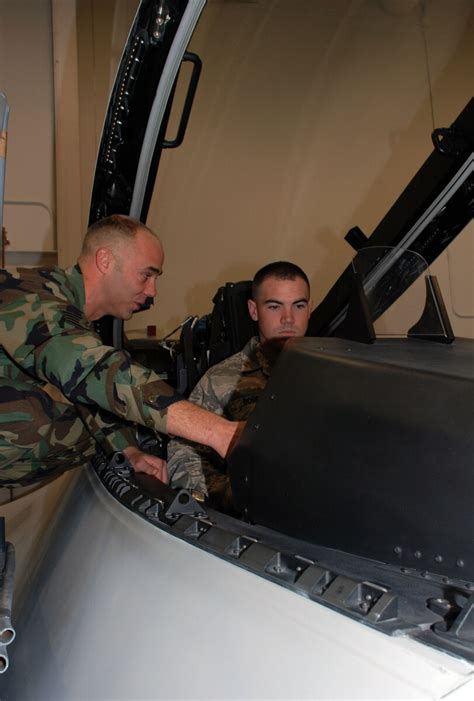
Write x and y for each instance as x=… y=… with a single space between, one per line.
x=282 y=308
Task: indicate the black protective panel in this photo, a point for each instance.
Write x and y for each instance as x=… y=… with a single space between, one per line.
x=368 y=450
x=133 y=93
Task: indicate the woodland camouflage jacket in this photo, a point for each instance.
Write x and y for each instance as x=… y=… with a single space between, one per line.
x=46 y=339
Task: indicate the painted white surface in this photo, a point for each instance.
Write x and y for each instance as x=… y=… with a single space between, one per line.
x=26 y=522
x=122 y=610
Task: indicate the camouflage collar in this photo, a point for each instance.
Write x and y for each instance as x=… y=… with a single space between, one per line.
x=255 y=357
x=76 y=281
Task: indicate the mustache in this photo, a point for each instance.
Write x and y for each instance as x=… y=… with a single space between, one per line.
x=146 y=304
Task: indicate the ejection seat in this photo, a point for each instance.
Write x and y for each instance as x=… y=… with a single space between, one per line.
x=207 y=340
x=203 y=342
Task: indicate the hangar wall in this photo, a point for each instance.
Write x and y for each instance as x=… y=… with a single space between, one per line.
x=306 y=122
x=26 y=79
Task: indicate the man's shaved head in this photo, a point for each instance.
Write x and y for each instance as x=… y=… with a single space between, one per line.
x=112 y=232
x=120 y=262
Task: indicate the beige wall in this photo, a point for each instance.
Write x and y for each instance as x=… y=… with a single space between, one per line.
x=88 y=41
x=309 y=119
x=26 y=78
x=305 y=123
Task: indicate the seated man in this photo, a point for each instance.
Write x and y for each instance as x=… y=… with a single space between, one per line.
x=281 y=307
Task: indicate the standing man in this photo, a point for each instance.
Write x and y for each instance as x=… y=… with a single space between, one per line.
x=281 y=306
x=63 y=392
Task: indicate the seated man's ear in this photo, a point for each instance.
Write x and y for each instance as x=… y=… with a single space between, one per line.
x=252 y=309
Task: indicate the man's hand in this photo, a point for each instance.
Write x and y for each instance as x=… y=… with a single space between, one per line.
x=150 y=464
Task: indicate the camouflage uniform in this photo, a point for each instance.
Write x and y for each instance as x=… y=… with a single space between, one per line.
x=62 y=391
x=231 y=389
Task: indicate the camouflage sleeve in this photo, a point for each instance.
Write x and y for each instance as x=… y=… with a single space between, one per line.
x=192 y=465
x=108 y=378
x=107 y=431
x=61 y=349
x=122 y=437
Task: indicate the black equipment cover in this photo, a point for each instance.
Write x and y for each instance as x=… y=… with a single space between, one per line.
x=366 y=449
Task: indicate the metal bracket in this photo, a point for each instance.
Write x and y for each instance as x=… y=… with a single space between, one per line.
x=448 y=141
x=184 y=504
x=434 y=324
x=356 y=238
x=461 y=630
x=120 y=464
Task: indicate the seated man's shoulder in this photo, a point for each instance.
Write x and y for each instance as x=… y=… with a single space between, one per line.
x=241 y=361
x=223 y=378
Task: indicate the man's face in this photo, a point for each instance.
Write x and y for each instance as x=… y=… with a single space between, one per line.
x=133 y=273
x=282 y=308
